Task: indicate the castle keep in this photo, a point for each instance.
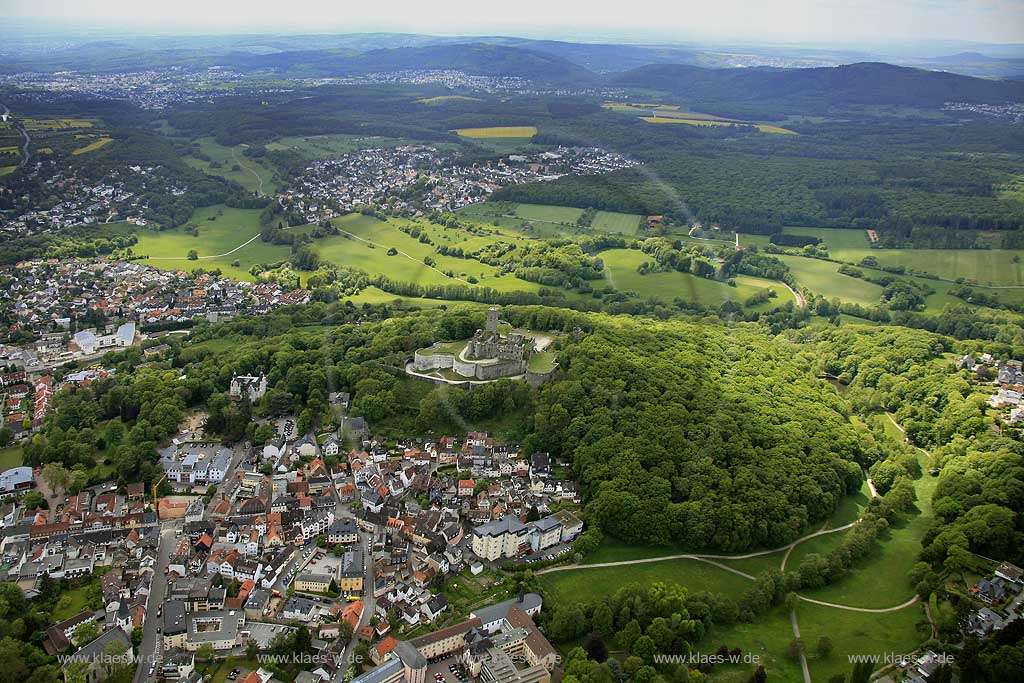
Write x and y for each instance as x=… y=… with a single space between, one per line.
x=488 y=355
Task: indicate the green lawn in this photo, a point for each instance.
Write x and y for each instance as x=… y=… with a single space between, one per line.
x=227 y=232
x=547 y=220
x=586 y=585
x=823 y=277
x=324 y=146
x=253 y=174
x=856 y=633
x=542 y=361
x=766 y=638
x=548 y=213
x=611 y=221
x=880 y=579
x=834 y=238
x=984 y=266
x=621 y=272
x=851 y=507
x=71 y=608
x=11 y=457
x=369 y=253
x=222 y=668
x=756 y=565
x=822 y=545
x=373 y=295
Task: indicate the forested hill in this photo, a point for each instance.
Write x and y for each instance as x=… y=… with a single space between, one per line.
x=473 y=58
x=705 y=435
x=866 y=83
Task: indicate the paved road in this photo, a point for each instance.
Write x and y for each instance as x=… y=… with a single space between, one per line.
x=151 y=648
x=703 y=557
x=881 y=610
x=803 y=657
x=368 y=609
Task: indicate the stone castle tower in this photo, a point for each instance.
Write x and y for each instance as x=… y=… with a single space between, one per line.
x=492 y=320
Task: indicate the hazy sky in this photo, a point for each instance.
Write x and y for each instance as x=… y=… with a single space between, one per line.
x=818 y=21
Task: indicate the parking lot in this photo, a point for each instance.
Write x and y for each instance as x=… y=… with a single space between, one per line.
x=264 y=633
x=442 y=667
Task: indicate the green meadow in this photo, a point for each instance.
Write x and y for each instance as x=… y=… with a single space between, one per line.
x=252 y=174
x=586 y=585
x=325 y=146
x=986 y=267
x=823 y=277
x=370 y=239
x=547 y=220
x=219 y=243
x=621 y=273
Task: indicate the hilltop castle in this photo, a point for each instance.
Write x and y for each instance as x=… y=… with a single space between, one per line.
x=488 y=355
x=488 y=343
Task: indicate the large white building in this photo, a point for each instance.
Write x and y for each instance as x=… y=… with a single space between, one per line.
x=505 y=537
x=89 y=342
x=201 y=466
x=508 y=537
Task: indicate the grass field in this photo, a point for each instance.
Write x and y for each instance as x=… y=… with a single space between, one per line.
x=408 y=265
x=834 y=238
x=373 y=295
x=547 y=220
x=498 y=132
x=621 y=272
x=763 y=127
x=823 y=277
x=983 y=266
x=542 y=361
x=69 y=608
x=93 y=146
x=897 y=552
x=11 y=457
x=548 y=213
x=610 y=221
x=324 y=146
x=231 y=228
x=856 y=633
x=252 y=174
x=443 y=99
x=766 y=638
x=32 y=125
x=4 y=170
x=585 y=585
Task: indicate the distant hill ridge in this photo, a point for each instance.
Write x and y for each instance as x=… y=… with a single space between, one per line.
x=864 y=83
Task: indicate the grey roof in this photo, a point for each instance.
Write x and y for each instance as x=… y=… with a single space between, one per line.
x=545 y=523
x=500 y=610
x=174 y=617
x=409 y=655
x=16 y=476
x=90 y=651
x=507 y=524
x=381 y=673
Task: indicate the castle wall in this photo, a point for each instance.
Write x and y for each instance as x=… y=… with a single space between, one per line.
x=433 y=361
x=504 y=369
x=535 y=379
x=463 y=368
